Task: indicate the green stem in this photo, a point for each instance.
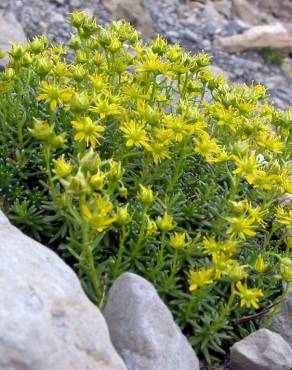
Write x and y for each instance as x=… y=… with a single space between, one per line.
x=88 y=253
x=120 y=253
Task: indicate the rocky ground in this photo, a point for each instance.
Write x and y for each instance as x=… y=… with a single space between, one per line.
x=196 y=25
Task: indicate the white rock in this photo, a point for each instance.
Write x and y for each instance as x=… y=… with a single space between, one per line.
x=258 y=37
x=143 y=330
x=11 y=31
x=46 y=321
x=134 y=11
x=261 y=350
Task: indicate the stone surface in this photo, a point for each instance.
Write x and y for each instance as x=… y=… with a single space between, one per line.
x=282 y=321
x=245 y=11
x=143 y=330
x=46 y=321
x=258 y=37
x=11 y=31
x=135 y=11
x=261 y=350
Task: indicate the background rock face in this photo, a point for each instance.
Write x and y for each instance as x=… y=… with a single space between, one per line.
x=46 y=321
x=10 y=31
x=261 y=350
x=143 y=330
x=135 y=11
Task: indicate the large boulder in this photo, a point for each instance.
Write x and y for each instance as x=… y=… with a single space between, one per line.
x=11 y=31
x=258 y=37
x=143 y=330
x=46 y=321
x=261 y=350
x=134 y=11
x=282 y=321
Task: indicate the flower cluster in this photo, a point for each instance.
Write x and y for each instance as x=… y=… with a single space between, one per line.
x=146 y=161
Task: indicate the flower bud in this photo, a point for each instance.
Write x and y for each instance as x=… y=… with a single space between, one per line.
x=90 y=161
x=16 y=51
x=123 y=216
x=78 y=73
x=77 y=184
x=151 y=226
x=77 y=19
x=79 y=102
x=165 y=223
x=123 y=192
x=260 y=265
x=8 y=74
x=38 y=45
x=27 y=60
x=178 y=240
x=2 y=53
x=62 y=168
x=81 y=57
x=146 y=195
x=97 y=181
x=58 y=141
x=114 y=46
x=42 y=67
x=42 y=130
x=75 y=42
x=159 y=45
x=116 y=171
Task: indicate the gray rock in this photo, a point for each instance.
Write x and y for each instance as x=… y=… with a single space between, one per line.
x=10 y=32
x=135 y=11
x=282 y=321
x=46 y=321
x=143 y=330
x=261 y=350
x=190 y=35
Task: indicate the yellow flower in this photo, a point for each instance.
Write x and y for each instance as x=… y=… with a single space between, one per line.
x=100 y=218
x=241 y=226
x=206 y=147
x=165 y=223
x=152 y=63
x=248 y=168
x=88 y=131
x=178 y=126
x=284 y=217
x=134 y=133
x=228 y=247
x=53 y=95
x=270 y=142
x=159 y=151
x=62 y=168
x=97 y=180
x=200 y=278
x=248 y=296
x=178 y=240
x=106 y=108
